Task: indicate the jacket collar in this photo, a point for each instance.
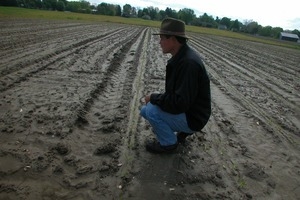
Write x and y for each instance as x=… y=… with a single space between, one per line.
x=179 y=54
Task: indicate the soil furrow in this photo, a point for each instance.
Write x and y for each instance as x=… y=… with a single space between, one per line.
x=110 y=73
x=10 y=67
x=230 y=143
x=43 y=33
x=137 y=87
x=287 y=59
x=39 y=64
x=269 y=93
x=263 y=117
x=70 y=126
x=106 y=115
x=257 y=71
x=272 y=71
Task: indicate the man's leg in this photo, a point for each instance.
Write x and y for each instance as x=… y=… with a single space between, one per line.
x=165 y=124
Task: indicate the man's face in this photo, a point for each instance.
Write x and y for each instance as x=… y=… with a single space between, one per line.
x=167 y=44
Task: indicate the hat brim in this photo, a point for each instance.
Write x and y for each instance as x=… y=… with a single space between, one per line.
x=178 y=35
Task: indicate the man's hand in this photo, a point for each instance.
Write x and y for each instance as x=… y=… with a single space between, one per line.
x=147 y=98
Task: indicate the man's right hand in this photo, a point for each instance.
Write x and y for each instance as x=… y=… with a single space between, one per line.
x=147 y=98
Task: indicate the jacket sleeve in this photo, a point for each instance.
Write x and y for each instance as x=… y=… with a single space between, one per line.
x=184 y=91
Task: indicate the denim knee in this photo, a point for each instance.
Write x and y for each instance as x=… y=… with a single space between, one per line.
x=143 y=112
x=152 y=112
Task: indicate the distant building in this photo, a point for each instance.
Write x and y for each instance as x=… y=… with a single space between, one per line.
x=289 y=37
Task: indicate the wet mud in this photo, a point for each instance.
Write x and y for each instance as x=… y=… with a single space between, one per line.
x=70 y=125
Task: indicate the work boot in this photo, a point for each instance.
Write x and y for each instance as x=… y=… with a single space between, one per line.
x=156 y=147
x=181 y=136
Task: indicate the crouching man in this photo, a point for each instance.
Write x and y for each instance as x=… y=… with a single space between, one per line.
x=185 y=106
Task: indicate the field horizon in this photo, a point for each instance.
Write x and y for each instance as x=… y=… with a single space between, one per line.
x=16 y=12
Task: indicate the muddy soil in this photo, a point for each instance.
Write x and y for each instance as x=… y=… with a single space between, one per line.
x=71 y=129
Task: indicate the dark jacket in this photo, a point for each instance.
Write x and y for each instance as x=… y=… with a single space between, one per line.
x=187 y=88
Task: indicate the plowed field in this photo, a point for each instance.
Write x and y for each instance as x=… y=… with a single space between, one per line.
x=70 y=95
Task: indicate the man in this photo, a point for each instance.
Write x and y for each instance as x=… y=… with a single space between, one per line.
x=185 y=106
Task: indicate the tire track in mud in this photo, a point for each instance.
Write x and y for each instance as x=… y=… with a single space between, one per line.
x=116 y=71
x=109 y=116
x=274 y=123
x=131 y=142
x=68 y=77
x=112 y=78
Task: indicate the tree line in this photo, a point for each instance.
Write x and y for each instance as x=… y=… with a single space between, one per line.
x=151 y=13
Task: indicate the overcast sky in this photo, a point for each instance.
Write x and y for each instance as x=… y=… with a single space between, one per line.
x=284 y=14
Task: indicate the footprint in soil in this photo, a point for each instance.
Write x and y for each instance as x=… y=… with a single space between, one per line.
x=105 y=149
x=254 y=171
x=61 y=148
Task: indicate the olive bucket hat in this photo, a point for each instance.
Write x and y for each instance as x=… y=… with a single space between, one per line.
x=171 y=26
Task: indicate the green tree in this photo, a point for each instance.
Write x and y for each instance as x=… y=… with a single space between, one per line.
x=235 y=25
x=60 y=6
x=111 y=10
x=153 y=12
x=206 y=21
x=145 y=11
x=140 y=13
x=126 y=10
x=79 y=6
x=49 y=4
x=226 y=21
x=30 y=3
x=39 y=3
x=144 y=14
x=252 y=28
x=265 y=31
x=65 y=1
x=8 y=3
x=187 y=15
x=118 y=10
x=73 y=6
x=101 y=8
x=275 y=32
x=108 y=9
x=171 y=13
x=85 y=7
x=162 y=14
x=217 y=20
x=133 y=12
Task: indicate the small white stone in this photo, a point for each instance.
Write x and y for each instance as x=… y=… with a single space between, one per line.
x=120 y=165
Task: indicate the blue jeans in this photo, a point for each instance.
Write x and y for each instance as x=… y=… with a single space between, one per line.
x=165 y=124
